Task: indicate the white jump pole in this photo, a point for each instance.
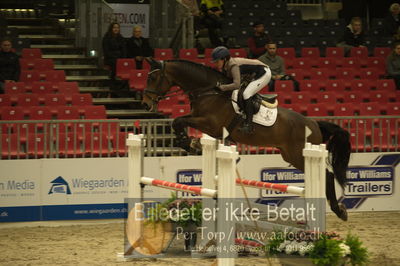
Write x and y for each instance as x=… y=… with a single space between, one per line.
x=314 y=183
x=135 y=163
x=209 y=148
x=226 y=156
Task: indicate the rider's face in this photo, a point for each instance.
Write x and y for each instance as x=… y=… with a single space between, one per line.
x=219 y=64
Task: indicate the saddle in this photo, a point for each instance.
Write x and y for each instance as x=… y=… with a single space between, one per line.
x=268 y=100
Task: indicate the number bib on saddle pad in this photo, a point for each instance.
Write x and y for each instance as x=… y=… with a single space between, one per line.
x=265 y=116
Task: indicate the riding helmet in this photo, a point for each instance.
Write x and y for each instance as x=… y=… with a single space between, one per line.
x=220 y=52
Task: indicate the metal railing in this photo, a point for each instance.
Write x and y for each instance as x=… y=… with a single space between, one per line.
x=106 y=138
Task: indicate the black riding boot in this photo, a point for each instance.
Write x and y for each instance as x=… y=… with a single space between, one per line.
x=247 y=126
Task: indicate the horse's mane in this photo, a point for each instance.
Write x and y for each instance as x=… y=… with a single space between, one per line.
x=202 y=71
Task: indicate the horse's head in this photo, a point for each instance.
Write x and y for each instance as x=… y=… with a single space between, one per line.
x=158 y=84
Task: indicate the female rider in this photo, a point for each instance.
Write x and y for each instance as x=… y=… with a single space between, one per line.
x=234 y=68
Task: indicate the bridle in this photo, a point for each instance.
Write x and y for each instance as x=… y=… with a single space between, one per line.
x=160 y=94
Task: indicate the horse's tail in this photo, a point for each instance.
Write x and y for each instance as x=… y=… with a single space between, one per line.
x=339 y=148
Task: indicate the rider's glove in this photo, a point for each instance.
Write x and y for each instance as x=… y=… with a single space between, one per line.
x=218 y=85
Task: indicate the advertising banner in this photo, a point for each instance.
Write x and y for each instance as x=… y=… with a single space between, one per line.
x=95 y=188
x=130 y=15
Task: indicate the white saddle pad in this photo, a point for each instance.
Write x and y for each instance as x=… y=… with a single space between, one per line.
x=265 y=116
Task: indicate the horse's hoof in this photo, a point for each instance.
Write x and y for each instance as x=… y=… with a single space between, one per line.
x=343 y=212
x=195 y=146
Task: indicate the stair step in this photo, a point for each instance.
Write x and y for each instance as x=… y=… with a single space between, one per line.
x=114 y=100
x=44 y=36
x=54 y=46
x=34 y=27
x=87 y=78
x=137 y=113
x=93 y=89
x=75 y=67
x=66 y=56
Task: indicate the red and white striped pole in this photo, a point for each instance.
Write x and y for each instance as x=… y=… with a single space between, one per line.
x=179 y=187
x=271 y=186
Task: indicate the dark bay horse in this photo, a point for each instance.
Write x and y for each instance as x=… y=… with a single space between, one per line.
x=211 y=110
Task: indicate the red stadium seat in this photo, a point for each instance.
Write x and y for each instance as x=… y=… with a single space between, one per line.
x=284 y=85
x=359 y=52
x=180 y=110
x=382 y=52
x=310 y=85
x=31 y=53
x=27 y=63
x=55 y=99
x=322 y=73
x=39 y=113
x=327 y=62
x=67 y=112
x=329 y=99
x=27 y=100
x=385 y=84
x=53 y=75
x=5 y=100
x=96 y=144
x=29 y=76
x=336 y=52
x=377 y=62
x=16 y=87
x=302 y=63
x=95 y=112
x=43 y=64
x=240 y=52
x=310 y=52
x=42 y=87
x=369 y=108
x=208 y=52
x=124 y=67
x=317 y=110
x=301 y=97
x=392 y=109
x=298 y=73
x=165 y=105
x=66 y=87
x=344 y=109
x=67 y=146
x=163 y=54
x=188 y=54
x=82 y=99
x=379 y=96
x=350 y=62
x=37 y=146
x=354 y=96
x=361 y=84
x=12 y=147
x=138 y=79
x=346 y=73
x=286 y=53
x=369 y=73
x=336 y=85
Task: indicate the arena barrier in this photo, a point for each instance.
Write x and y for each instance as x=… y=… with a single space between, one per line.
x=225 y=156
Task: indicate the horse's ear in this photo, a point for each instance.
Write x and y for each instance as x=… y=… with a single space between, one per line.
x=154 y=64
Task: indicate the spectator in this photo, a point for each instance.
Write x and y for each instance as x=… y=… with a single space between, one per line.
x=257 y=42
x=392 y=20
x=393 y=65
x=138 y=47
x=212 y=12
x=277 y=66
x=353 y=35
x=9 y=64
x=114 y=47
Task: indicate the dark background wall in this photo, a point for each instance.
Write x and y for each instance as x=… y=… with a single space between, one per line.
x=359 y=8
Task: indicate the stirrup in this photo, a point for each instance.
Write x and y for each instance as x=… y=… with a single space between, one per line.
x=247 y=128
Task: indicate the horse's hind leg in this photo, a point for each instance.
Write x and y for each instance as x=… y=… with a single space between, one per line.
x=294 y=155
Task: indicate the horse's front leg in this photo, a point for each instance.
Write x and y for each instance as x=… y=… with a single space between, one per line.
x=180 y=124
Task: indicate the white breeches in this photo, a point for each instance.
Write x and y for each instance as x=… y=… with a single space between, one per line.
x=256 y=85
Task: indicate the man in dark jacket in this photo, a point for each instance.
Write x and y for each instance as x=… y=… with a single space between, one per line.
x=258 y=42
x=9 y=64
x=138 y=47
x=392 y=20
